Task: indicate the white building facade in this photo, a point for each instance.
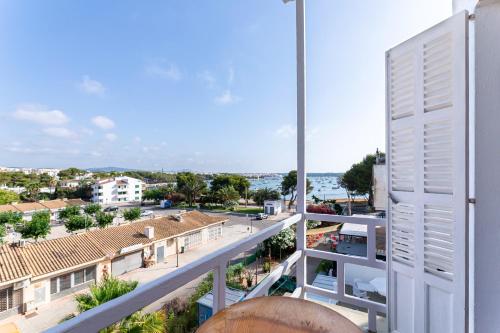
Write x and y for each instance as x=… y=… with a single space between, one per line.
x=117 y=190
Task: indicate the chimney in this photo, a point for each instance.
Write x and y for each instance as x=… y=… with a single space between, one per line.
x=149 y=232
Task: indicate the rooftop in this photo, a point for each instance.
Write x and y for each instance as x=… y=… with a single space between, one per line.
x=112 y=239
x=50 y=256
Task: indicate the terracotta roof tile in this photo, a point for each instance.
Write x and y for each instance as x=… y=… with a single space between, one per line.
x=28 y=206
x=57 y=254
x=12 y=267
x=8 y=208
x=54 y=204
x=112 y=239
x=76 y=202
x=68 y=252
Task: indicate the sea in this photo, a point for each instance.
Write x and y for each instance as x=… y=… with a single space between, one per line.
x=325 y=185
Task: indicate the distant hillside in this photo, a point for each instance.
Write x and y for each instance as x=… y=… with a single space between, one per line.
x=109 y=169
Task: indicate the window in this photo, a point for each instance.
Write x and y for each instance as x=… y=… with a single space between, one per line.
x=136 y=186
x=79 y=277
x=136 y=198
x=53 y=285
x=64 y=282
x=136 y=192
x=5 y=299
x=89 y=274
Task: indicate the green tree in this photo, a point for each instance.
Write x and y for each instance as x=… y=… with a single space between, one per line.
x=32 y=191
x=157 y=194
x=70 y=173
x=191 y=185
x=238 y=182
x=132 y=214
x=68 y=212
x=103 y=219
x=78 y=222
x=12 y=218
x=92 y=209
x=289 y=186
x=282 y=241
x=263 y=194
x=358 y=180
x=227 y=196
x=7 y=197
x=108 y=289
x=112 y=288
x=39 y=226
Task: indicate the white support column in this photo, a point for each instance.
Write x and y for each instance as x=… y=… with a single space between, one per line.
x=219 y=288
x=371 y=245
x=301 y=134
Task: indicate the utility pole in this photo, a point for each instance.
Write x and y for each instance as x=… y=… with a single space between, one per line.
x=177 y=250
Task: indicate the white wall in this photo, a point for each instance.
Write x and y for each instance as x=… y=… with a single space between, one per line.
x=380 y=187
x=486 y=238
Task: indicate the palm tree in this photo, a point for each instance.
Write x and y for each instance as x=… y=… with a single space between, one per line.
x=103 y=292
x=33 y=189
x=111 y=288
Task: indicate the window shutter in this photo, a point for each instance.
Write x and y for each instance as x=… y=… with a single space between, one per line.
x=427 y=179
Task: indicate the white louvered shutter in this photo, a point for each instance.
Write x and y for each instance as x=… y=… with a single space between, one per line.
x=427 y=165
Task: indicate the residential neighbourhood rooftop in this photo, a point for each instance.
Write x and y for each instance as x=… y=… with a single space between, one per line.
x=41 y=205
x=51 y=256
x=112 y=239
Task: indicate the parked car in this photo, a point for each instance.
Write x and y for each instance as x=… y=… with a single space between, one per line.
x=146 y=213
x=111 y=209
x=261 y=216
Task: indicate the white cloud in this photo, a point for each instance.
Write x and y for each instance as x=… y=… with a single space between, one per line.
x=39 y=114
x=226 y=98
x=208 y=78
x=170 y=71
x=110 y=136
x=103 y=122
x=286 y=131
x=137 y=139
x=96 y=153
x=92 y=87
x=60 y=132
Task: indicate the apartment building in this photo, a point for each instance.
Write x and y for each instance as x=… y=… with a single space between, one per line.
x=36 y=274
x=117 y=189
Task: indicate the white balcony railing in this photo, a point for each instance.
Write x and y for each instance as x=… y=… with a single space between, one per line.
x=113 y=311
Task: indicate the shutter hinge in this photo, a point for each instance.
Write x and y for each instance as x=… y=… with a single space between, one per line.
x=394 y=201
x=472 y=200
x=472 y=17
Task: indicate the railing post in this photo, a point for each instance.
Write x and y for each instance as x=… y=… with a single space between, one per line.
x=371 y=244
x=301 y=135
x=219 y=288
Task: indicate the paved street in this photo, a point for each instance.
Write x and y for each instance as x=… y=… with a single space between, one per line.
x=58 y=230
x=236 y=229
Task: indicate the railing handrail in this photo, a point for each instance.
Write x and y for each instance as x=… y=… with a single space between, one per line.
x=113 y=311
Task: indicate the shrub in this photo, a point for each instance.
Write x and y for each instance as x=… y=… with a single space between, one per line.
x=132 y=214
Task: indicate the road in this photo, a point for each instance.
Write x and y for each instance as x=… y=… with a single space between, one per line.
x=58 y=230
x=236 y=229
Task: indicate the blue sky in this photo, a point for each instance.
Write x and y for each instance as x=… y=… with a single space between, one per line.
x=199 y=85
